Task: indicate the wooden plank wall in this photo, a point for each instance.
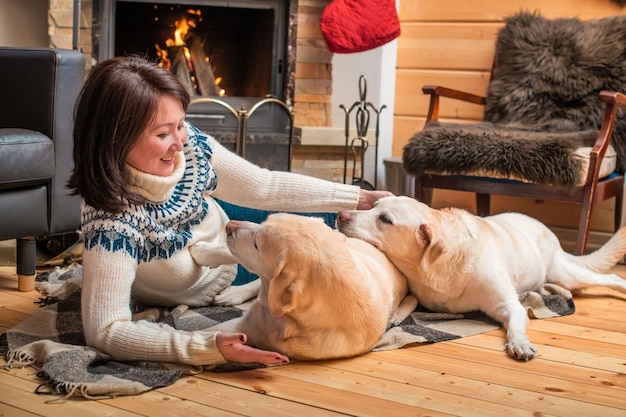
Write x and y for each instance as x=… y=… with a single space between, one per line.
x=451 y=43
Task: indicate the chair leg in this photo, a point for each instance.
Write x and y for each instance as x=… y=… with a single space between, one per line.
x=25 y=260
x=619 y=204
x=584 y=224
x=483 y=203
x=583 y=233
x=425 y=195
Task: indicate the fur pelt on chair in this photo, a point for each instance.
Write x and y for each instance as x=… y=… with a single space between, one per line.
x=547 y=76
x=512 y=152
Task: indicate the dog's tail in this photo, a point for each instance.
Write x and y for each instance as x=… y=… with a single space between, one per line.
x=606 y=256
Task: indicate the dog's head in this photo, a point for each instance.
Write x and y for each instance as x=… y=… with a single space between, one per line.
x=289 y=253
x=401 y=227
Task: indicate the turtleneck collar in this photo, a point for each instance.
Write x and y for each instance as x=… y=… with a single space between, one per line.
x=153 y=187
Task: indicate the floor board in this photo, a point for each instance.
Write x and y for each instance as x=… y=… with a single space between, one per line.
x=580 y=370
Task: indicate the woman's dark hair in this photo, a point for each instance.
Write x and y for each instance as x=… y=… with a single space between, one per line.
x=119 y=100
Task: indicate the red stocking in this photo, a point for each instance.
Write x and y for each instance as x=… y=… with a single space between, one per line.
x=359 y=25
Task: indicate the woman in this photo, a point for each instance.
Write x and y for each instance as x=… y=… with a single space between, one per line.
x=148 y=181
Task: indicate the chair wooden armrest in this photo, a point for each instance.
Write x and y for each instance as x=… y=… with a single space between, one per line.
x=613 y=100
x=436 y=91
x=613 y=97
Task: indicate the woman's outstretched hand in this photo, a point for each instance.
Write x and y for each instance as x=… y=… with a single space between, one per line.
x=367 y=198
x=233 y=349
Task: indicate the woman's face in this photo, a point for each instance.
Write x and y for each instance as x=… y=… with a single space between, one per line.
x=154 y=152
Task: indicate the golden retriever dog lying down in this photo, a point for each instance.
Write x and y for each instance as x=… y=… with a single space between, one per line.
x=322 y=294
x=458 y=262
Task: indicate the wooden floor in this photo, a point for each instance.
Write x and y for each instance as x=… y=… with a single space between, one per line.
x=580 y=371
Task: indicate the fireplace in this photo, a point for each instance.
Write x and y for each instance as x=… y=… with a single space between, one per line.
x=234 y=55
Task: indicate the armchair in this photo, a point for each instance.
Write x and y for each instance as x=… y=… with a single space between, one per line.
x=38 y=89
x=553 y=125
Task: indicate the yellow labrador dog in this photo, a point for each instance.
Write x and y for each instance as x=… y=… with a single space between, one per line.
x=322 y=294
x=458 y=262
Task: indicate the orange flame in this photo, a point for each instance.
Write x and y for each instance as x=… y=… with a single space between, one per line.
x=182 y=28
x=181 y=31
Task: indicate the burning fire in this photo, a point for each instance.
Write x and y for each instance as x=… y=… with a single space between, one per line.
x=182 y=28
x=218 y=80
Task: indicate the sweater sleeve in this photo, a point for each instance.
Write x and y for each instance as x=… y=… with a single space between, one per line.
x=245 y=184
x=107 y=319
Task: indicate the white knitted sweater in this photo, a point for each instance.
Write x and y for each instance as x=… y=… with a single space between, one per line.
x=144 y=251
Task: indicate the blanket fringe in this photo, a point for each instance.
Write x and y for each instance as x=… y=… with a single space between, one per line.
x=46 y=301
x=18 y=359
x=66 y=390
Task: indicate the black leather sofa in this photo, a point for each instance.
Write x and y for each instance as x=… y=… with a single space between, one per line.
x=38 y=90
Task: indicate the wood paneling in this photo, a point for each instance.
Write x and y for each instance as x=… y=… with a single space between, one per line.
x=440 y=46
x=411 y=101
x=494 y=11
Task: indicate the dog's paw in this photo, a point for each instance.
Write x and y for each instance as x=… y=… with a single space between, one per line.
x=522 y=351
x=235 y=295
x=151 y=314
x=394 y=322
x=211 y=255
x=406 y=307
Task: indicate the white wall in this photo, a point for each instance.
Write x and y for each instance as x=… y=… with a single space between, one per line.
x=24 y=23
x=378 y=66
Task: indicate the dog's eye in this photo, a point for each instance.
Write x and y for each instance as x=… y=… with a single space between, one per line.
x=255 y=245
x=385 y=219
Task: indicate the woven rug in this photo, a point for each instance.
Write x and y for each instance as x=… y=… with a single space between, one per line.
x=52 y=340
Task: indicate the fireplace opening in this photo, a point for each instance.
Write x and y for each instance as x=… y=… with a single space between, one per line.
x=236 y=52
x=233 y=45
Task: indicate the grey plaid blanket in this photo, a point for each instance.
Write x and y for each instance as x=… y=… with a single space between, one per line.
x=52 y=340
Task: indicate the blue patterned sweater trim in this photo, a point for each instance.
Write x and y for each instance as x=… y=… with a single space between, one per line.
x=158 y=230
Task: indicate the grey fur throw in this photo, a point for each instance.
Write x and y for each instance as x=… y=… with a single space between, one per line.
x=546 y=78
x=512 y=152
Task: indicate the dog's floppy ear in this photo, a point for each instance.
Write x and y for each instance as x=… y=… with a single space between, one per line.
x=284 y=291
x=432 y=248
